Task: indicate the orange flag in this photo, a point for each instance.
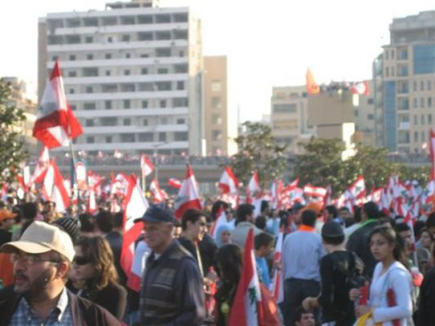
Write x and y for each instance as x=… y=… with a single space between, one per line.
x=312 y=87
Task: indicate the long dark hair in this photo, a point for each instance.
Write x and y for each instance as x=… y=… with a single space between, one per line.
x=98 y=251
x=391 y=236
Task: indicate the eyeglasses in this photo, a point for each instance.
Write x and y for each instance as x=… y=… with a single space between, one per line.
x=29 y=259
x=81 y=260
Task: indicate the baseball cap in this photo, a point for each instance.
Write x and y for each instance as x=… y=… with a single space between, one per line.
x=6 y=214
x=41 y=237
x=314 y=206
x=332 y=229
x=156 y=213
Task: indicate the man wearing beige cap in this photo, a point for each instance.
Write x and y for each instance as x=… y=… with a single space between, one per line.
x=42 y=259
x=7 y=220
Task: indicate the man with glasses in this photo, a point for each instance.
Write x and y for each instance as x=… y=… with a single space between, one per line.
x=172 y=291
x=41 y=262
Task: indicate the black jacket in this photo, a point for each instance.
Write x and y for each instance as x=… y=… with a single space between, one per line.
x=84 y=312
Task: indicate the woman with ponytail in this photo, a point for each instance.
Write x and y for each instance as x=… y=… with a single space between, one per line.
x=390 y=301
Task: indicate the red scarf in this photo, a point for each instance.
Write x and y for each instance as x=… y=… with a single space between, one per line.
x=305 y=228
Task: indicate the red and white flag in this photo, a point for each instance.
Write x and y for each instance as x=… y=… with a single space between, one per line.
x=313 y=191
x=158 y=194
x=188 y=196
x=358 y=188
x=54 y=188
x=146 y=165
x=254 y=188
x=220 y=220
x=135 y=207
x=247 y=309
x=432 y=154
x=228 y=183
x=41 y=167
x=174 y=183
x=55 y=122
x=361 y=88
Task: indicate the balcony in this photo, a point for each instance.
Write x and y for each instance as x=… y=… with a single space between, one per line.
x=404 y=125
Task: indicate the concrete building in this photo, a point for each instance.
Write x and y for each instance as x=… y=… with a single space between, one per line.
x=408 y=74
x=133 y=74
x=20 y=100
x=220 y=122
x=289 y=117
x=364 y=112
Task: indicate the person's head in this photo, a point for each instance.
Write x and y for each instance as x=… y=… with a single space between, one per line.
x=404 y=231
x=331 y=212
x=104 y=222
x=357 y=215
x=229 y=263
x=332 y=233
x=69 y=225
x=194 y=224
x=159 y=227
x=7 y=219
x=304 y=318
x=245 y=213
x=387 y=221
x=118 y=220
x=418 y=226
x=94 y=262
x=41 y=260
x=430 y=224
x=217 y=205
x=29 y=211
x=369 y=210
x=260 y=222
x=87 y=225
x=177 y=229
x=426 y=238
x=385 y=245
x=309 y=217
x=223 y=235
x=344 y=213
x=265 y=208
x=264 y=244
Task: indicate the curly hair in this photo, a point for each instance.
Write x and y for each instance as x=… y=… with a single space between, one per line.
x=100 y=255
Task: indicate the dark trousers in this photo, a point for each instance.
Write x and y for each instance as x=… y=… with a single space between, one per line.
x=295 y=291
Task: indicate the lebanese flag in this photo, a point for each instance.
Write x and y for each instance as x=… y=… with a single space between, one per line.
x=59 y=194
x=174 y=183
x=254 y=188
x=55 y=122
x=228 y=183
x=361 y=88
x=432 y=154
x=276 y=192
x=312 y=191
x=276 y=287
x=135 y=206
x=158 y=194
x=220 y=220
x=146 y=165
x=247 y=309
x=358 y=188
x=41 y=167
x=92 y=201
x=327 y=200
x=188 y=196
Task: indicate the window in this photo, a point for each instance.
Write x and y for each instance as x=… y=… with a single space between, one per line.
x=162 y=136
x=128 y=55
x=181 y=121
x=387 y=72
x=422 y=85
x=422 y=119
x=371 y=116
x=144 y=36
x=72 y=74
x=108 y=56
x=429 y=118
x=108 y=139
x=145 y=19
x=109 y=122
x=415 y=86
x=162 y=19
x=415 y=136
x=216 y=119
x=108 y=105
x=285 y=108
x=216 y=135
x=90 y=57
x=144 y=71
x=126 y=72
x=89 y=106
x=429 y=102
x=54 y=58
x=423 y=135
x=127 y=88
x=126 y=104
x=145 y=122
x=180 y=102
x=216 y=103
x=89 y=39
x=89 y=122
x=146 y=137
x=163 y=86
x=90 y=140
x=72 y=57
x=356 y=113
x=126 y=38
x=72 y=91
x=127 y=20
x=415 y=102
x=89 y=89
x=90 y=72
x=216 y=86
x=108 y=73
x=164 y=121
x=109 y=39
x=180 y=136
x=73 y=107
x=422 y=102
x=162 y=103
x=370 y=101
x=164 y=35
x=415 y=120
x=180 y=85
x=429 y=85
x=144 y=104
x=162 y=71
x=127 y=138
x=109 y=88
x=127 y=122
x=163 y=52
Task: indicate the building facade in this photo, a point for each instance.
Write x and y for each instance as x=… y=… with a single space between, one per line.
x=408 y=74
x=364 y=111
x=220 y=122
x=289 y=117
x=133 y=75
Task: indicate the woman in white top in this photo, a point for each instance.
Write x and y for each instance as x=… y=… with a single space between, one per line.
x=390 y=291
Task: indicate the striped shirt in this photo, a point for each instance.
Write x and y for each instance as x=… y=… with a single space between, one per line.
x=59 y=315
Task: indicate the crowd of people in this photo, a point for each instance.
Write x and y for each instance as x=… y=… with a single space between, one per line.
x=338 y=268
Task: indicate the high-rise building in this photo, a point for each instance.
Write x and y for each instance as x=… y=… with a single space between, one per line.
x=133 y=75
x=220 y=122
x=19 y=99
x=289 y=117
x=408 y=74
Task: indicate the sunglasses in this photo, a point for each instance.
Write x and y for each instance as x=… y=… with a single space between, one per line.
x=81 y=260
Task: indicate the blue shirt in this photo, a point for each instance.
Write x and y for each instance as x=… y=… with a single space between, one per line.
x=263 y=271
x=301 y=254
x=59 y=315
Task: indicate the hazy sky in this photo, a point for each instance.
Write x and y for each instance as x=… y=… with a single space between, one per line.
x=268 y=43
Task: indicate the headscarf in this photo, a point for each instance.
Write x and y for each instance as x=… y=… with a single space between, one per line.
x=223 y=228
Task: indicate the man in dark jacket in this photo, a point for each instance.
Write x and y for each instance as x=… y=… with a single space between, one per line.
x=42 y=258
x=172 y=291
x=359 y=240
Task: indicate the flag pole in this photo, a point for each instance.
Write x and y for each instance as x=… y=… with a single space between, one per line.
x=74 y=181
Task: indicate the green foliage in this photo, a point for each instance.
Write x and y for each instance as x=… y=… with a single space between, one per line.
x=258 y=151
x=11 y=146
x=421 y=174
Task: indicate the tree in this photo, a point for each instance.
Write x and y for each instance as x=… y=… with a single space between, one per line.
x=12 y=151
x=258 y=151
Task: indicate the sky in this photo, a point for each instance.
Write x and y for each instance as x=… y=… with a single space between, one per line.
x=268 y=43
